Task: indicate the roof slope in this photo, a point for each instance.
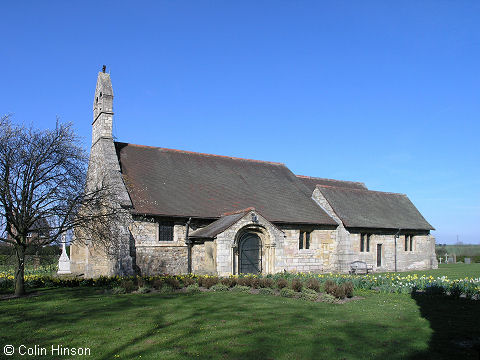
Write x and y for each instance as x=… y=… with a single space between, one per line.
x=217 y=226
x=374 y=209
x=311 y=183
x=180 y=183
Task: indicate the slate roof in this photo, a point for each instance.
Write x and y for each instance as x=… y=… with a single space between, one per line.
x=374 y=209
x=311 y=183
x=218 y=226
x=166 y=182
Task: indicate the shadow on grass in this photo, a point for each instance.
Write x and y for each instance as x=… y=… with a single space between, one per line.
x=205 y=325
x=455 y=324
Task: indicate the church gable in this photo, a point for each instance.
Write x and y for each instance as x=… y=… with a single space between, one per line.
x=359 y=208
x=312 y=182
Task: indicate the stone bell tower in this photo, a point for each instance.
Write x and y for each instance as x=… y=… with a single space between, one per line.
x=104 y=172
x=102 y=125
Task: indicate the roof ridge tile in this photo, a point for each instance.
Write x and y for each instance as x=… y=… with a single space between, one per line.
x=319 y=178
x=203 y=154
x=364 y=190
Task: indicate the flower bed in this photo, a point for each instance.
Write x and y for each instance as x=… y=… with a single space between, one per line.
x=391 y=283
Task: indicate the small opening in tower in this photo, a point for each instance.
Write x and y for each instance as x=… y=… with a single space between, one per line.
x=96 y=100
x=100 y=94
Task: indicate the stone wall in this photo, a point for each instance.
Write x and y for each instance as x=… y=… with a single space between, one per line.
x=158 y=257
x=348 y=247
x=162 y=260
x=290 y=258
x=420 y=258
x=204 y=258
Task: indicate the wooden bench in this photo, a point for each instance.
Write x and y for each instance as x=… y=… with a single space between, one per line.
x=360 y=267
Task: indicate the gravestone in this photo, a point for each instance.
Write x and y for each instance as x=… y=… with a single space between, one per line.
x=64 y=261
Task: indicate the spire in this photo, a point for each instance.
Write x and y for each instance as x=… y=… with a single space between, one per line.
x=102 y=108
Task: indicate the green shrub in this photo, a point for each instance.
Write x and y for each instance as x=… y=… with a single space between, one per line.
x=193 y=288
x=139 y=281
x=267 y=291
x=128 y=285
x=245 y=281
x=470 y=292
x=297 y=285
x=187 y=281
x=473 y=259
x=339 y=291
x=309 y=296
x=157 y=284
x=219 y=287
x=118 y=290
x=286 y=292
x=255 y=283
x=242 y=281
x=266 y=283
x=348 y=286
x=455 y=291
x=241 y=288
x=230 y=281
x=166 y=289
x=329 y=286
x=282 y=283
x=434 y=289
x=313 y=284
x=144 y=289
x=173 y=282
x=209 y=281
x=328 y=298
x=309 y=291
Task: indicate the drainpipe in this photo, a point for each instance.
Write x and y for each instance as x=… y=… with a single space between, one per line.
x=396 y=236
x=189 y=247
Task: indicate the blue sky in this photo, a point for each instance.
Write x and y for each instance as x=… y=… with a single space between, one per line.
x=387 y=93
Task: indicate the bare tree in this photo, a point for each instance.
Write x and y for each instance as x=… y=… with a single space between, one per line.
x=43 y=191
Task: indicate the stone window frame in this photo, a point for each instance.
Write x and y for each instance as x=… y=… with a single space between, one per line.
x=409 y=242
x=363 y=237
x=304 y=239
x=163 y=225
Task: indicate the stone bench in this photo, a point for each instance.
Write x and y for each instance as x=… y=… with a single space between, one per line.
x=360 y=267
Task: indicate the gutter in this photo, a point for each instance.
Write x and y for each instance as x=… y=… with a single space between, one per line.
x=189 y=247
x=396 y=236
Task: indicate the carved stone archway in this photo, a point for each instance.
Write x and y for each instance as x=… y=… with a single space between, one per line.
x=253 y=250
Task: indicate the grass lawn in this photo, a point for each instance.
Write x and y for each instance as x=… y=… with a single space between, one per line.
x=241 y=326
x=452 y=271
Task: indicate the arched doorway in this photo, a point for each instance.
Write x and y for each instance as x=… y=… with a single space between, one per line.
x=250 y=254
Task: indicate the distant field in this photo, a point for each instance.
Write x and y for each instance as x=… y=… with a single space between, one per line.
x=452 y=271
x=459 y=250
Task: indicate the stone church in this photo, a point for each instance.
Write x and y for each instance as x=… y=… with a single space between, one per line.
x=213 y=214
